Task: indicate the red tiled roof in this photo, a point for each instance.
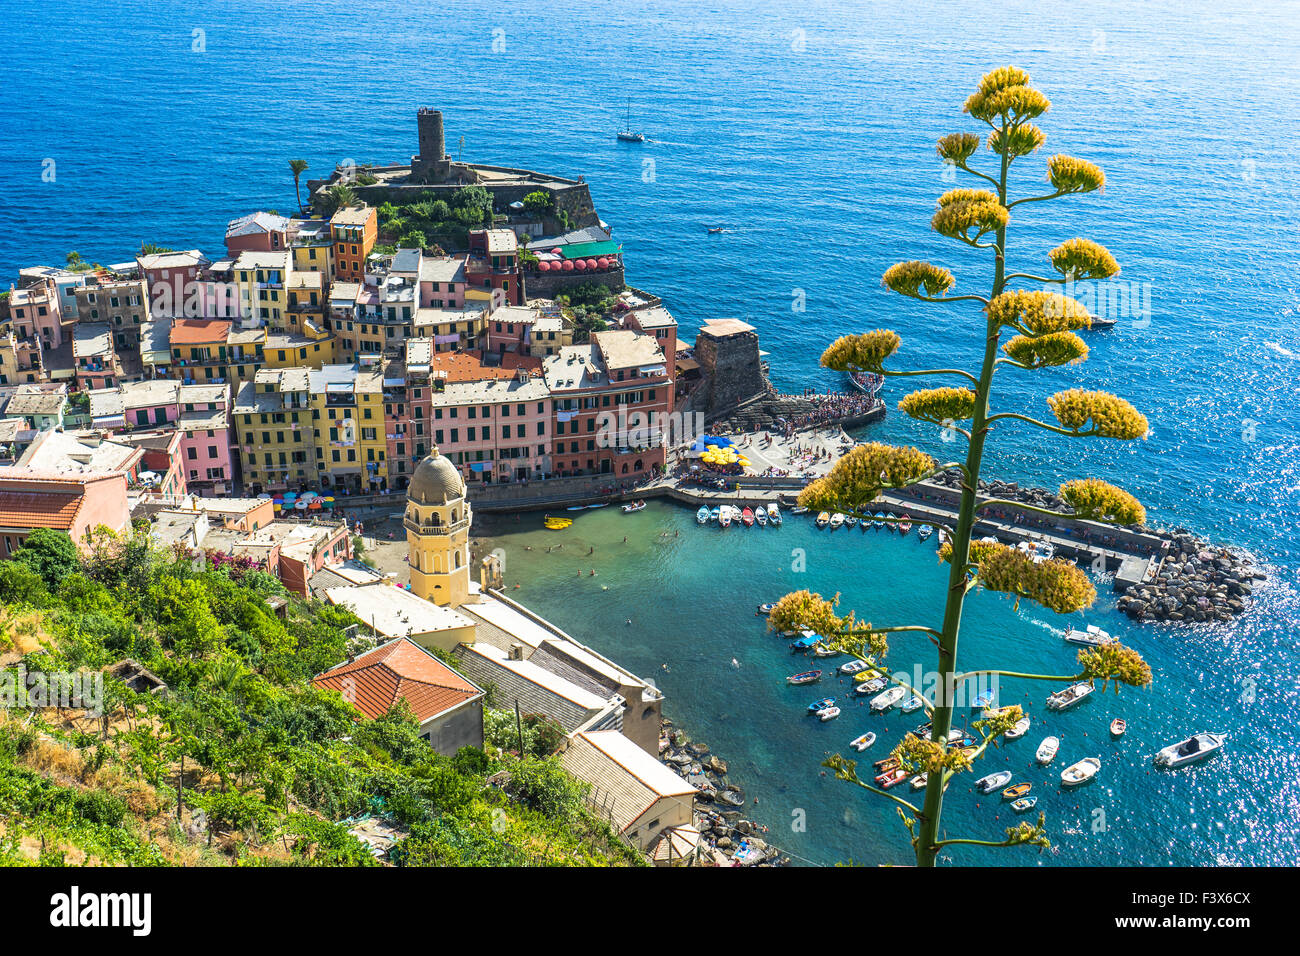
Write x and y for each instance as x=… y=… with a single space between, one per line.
x=21 y=508
x=468 y=366
x=400 y=668
x=199 y=331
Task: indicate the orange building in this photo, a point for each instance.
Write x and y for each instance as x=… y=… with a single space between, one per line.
x=354 y=230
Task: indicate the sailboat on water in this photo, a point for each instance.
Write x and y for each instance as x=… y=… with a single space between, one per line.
x=627 y=134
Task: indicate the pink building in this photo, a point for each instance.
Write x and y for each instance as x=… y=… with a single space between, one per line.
x=76 y=504
x=36 y=313
x=206 y=437
x=173 y=283
x=257 y=232
x=442 y=282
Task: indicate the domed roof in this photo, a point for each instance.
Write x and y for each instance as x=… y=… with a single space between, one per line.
x=436 y=481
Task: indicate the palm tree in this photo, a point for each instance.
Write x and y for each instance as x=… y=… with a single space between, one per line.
x=1044 y=326
x=297 y=167
x=339 y=196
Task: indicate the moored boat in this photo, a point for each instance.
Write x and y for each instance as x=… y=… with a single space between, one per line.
x=889 y=698
x=634 y=507
x=851 y=521
x=1047 y=750
x=913 y=703
x=1194 y=748
x=1016 y=790
x=821 y=650
x=983 y=699
x=1118 y=726
x=821 y=704
x=1070 y=696
x=823 y=520
x=765 y=609
x=806 y=641
x=924 y=532
x=1019 y=730
x=918 y=782
x=879 y=520
x=702 y=516
x=853 y=666
x=724 y=516
x=760 y=516
x=905 y=525
x=891 y=779
x=872 y=686
x=747 y=516
x=1024 y=804
x=837 y=519
x=862 y=743
x=556 y=524
x=828 y=713
x=1080 y=772
x=773 y=513
x=804 y=677
x=714 y=513
x=993 y=781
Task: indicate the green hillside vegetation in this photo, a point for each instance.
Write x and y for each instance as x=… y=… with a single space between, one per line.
x=242 y=761
x=436 y=223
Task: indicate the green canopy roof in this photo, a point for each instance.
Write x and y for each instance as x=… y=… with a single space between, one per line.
x=585 y=250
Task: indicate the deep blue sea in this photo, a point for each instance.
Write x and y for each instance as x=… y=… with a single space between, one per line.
x=808 y=132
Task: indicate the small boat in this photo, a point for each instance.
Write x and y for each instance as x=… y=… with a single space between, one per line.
x=1047 y=750
x=922 y=732
x=1070 y=696
x=891 y=779
x=760 y=517
x=627 y=134
x=853 y=667
x=1037 y=551
x=823 y=520
x=862 y=743
x=773 y=513
x=837 y=519
x=982 y=700
x=1194 y=748
x=1024 y=804
x=879 y=520
x=905 y=525
x=1016 y=790
x=890 y=524
x=556 y=524
x=1080 y=772
x=821 y=650
x=821 y=704
x=872 y=686
x=1019 y=730
x=714 y=513
x=1117 y=727
x=918 y=782
x=993 y=781
x=828 y=713
x=851 y=521
x=634 y=507
x=805 y=642
x=764 y=609
x=804 y=677
x=724 y=516
x=913 y=703
x=889 y=698
x=702 y=516
x=887 y=763
x=924 y=532
x=747 y=516
x=1091 y=636
x=800 y=510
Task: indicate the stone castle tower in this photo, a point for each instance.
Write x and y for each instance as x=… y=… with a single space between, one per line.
x=437 y=532
x=432 y=165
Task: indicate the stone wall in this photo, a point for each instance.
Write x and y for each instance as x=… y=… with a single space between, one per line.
x=547 y=285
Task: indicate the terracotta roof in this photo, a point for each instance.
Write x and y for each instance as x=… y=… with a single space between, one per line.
x=468 y=366
x=199 y=331
x=24 y=508
x=400 y=668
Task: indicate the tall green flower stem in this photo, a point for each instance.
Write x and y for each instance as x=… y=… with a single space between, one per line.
x=1044 y=324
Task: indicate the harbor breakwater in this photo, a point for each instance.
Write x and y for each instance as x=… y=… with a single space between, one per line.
x=1184 y=578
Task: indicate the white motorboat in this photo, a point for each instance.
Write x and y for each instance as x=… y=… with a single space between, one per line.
x=889 y=698
x=1080 y=772
x=1090 y=636
x=821 y=650
x=913 y=703
x=823 y=519
x=993 y=781
x=1070 y=696
x=773 y=513
x=853 y=667
x=862 y=743
x=1047 y=750
x=872 y=685
x=828 y=713
x=837 y=519
x=724 y=516
x=1194 y=748
x=1019 y=730
x=918 y=782
x=1037 y=551
x=765 y=609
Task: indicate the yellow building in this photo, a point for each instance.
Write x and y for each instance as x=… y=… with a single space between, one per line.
x=437 y=524
x=348 y=413
x=273 y=419
x=262 y=279
x=312 y=246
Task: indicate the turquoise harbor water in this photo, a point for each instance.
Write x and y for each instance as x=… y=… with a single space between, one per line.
x=810 y=136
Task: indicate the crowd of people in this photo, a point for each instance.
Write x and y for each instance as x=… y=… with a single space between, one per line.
x=827 y=408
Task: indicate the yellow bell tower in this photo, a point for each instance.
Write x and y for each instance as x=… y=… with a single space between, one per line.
x=437 y=532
